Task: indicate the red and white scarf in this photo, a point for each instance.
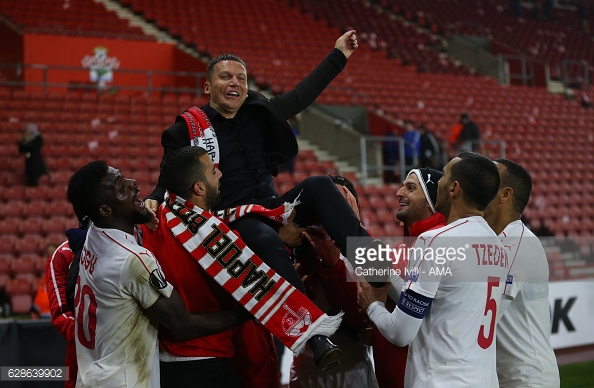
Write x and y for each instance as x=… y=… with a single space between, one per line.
x=202 y=133
x=275 y=303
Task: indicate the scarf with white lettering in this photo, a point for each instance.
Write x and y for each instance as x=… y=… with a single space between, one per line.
x=275 y=303
x=202 y=133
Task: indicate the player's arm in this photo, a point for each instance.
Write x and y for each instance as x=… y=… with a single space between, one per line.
x=56 y=274
x=400 y=326
x=305 y=93
x=171 y=312
x=144 y=280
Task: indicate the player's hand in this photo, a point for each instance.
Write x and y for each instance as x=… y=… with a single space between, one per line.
x=290 y=234
x=325 y=249
x=347 y=43
x=151 y=205
x=297 y=266
x=366 y=294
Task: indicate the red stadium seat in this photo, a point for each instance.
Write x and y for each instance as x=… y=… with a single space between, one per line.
x=10 y=225
x=40 y=265
x=3 y=280
x=18 y=286
x=5 y=260
x=7 y=242
x=12 y=193
x=34 y=208
x=59 y=207
x=21 y=303
x=30 y=243
x=31 y=225
x=23 y=264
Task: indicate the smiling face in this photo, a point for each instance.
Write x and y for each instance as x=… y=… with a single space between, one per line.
x=227 y=87
x=413 y=203
x=121 y=196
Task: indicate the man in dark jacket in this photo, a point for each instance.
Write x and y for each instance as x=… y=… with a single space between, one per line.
x=30 y=144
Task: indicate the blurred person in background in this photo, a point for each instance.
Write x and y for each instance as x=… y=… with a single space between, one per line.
x=31 y=144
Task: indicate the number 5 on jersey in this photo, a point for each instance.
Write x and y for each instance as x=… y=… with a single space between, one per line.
x=491 y=306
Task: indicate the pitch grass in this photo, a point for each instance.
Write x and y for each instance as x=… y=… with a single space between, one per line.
x=579 y=375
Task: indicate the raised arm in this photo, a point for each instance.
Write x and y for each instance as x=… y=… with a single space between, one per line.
x=306 y=92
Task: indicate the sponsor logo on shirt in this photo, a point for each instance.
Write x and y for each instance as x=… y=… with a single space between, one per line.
x=157 y=279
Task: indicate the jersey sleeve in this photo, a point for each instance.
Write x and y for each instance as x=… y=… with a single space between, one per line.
x=56 y=274
x=143 y=278
x=400 y=326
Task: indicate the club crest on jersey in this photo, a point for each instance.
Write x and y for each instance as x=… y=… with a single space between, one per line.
x=510 y=279
x=296 y=323
x=157 y=279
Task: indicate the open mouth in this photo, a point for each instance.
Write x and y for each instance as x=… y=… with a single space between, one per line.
x=233 y=94
x=138 y=202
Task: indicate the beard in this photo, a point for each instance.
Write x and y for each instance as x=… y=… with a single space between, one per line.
x=442 y=204
x=213 y=198
x=141 y=217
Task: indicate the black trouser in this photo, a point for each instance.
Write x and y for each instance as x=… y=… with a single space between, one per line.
x=209 y=373
x=320 y=203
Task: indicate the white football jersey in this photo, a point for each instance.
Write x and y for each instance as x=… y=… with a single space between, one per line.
x=116 y=345
x=525 y=357
x=455 y=345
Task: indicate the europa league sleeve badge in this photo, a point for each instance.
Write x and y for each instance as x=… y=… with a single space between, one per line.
x=157 y=279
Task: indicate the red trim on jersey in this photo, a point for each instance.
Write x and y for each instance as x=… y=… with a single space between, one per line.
x=129 y=250
x=517 y=249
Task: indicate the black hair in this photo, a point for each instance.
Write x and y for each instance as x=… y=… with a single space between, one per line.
x=339 y=179
x=478 y=177
x=222 y=57
x=181 y=169
x=83 y=191
x=516 y=177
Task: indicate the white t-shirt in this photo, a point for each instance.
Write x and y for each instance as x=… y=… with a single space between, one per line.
x=448 y=308
x=116 y=345
x=525 y=357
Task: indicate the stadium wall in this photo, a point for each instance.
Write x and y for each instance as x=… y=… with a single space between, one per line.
x=11 y=52
x=135 y=59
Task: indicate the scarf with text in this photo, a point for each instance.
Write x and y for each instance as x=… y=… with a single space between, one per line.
x=275 y=303
x=202 y=133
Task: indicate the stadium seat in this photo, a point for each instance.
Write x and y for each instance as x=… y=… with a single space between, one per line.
x=40 y=265
x=23 y=264
x=31 y=225
x=12 y=193
x=30 y=243
x=10 y=225
x=34 y=208
x=7 y=242
x=5 y=260
x=21 y=303
x=18 y=286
